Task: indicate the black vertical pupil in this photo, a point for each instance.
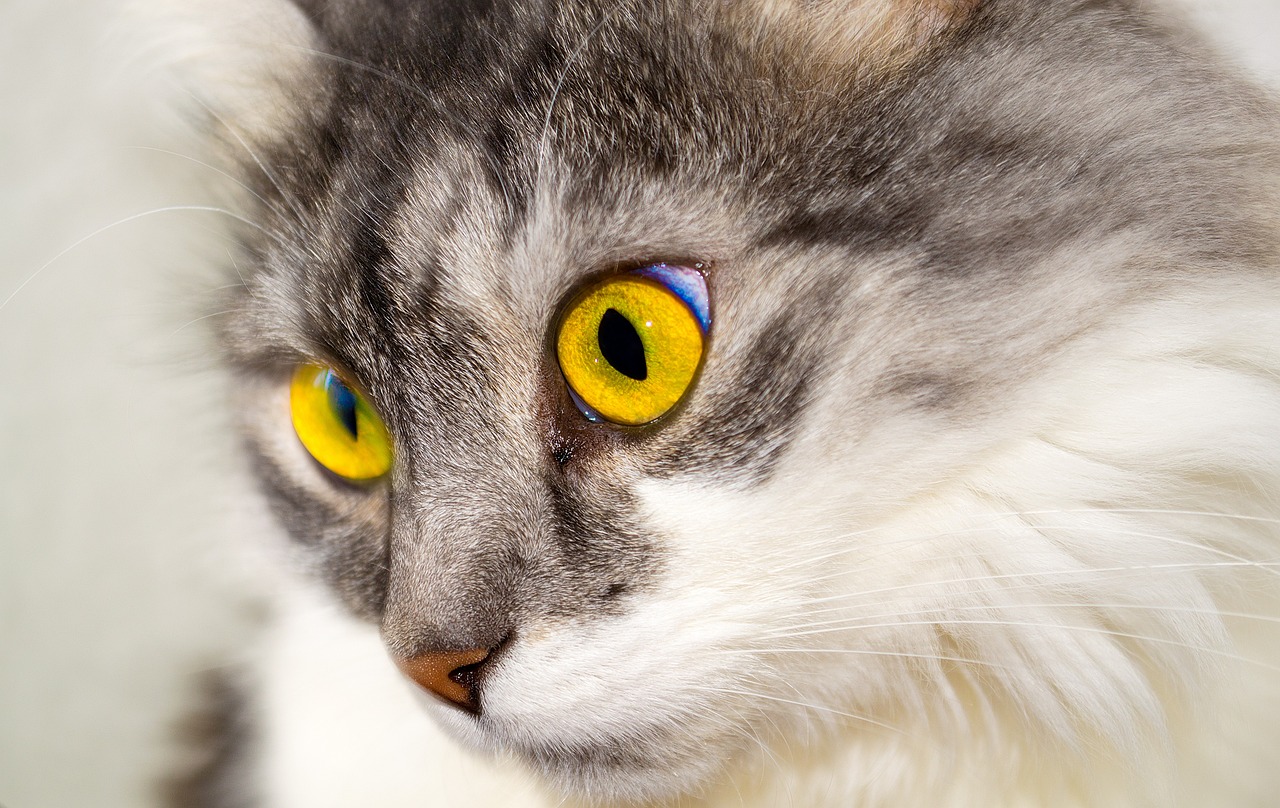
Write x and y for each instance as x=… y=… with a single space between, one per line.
x=343 y=401
x=621 y=346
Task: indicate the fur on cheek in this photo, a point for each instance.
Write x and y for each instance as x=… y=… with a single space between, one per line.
x=1088 y=590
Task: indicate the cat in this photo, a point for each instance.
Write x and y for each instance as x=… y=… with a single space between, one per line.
x=757 y=403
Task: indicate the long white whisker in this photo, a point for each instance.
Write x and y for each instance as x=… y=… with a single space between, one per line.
x=236 y=266
x=1035 y=584
x=853 y=621
x=846 y=550
x=399 y=81
x=200 y=319
x=993 y=518
x=751 y=733
x=1084 y=529
x=284 y=196
x=126 y=220
x=859 y=652
x=1065 y=627
x=794 y=703
x=214 y=169
x=1046 y=573
x=1167 y=512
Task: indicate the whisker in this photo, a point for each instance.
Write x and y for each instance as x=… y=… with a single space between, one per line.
x=993 y=518
x=1168 y=512
x=126 y=220
x=844 y=550
x=1138 y=571
x=1046 y=573
x=275 y=181
x=1260 y=565
x=214 y=169
x=1065 y=627
x=205 y=317
x=399 y=81
x=862 y=652
x=794 y=703
x=852 y=621
x=236 y=266
x=755 y=736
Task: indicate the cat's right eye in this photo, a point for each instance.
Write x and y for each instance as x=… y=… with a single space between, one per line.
x=337 y=425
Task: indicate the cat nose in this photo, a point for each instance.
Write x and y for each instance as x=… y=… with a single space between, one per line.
x=451 y=675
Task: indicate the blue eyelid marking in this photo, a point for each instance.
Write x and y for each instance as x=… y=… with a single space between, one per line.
x=686 y=283
x=343 y=401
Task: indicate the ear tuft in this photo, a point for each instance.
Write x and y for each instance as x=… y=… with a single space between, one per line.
x=233 y=58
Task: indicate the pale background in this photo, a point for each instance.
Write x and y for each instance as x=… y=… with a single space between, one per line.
x=121 y=501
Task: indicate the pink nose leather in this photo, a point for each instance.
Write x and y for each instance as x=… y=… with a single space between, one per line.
x=444 y=674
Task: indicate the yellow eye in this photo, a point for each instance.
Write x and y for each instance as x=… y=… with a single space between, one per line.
x=337 y=425
x=629 y=346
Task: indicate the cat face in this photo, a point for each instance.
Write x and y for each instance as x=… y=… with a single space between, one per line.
x=936 y=257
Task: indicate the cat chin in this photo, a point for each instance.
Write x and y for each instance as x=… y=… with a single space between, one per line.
x=646 y=763
x=622 y=769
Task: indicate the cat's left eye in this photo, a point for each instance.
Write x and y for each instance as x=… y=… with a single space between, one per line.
x=337 y=425
x=630 y=345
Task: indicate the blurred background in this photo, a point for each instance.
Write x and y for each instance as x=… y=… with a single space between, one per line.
x=119 y=502
x=125 y=520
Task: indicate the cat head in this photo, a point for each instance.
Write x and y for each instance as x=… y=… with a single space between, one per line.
x=932 y=271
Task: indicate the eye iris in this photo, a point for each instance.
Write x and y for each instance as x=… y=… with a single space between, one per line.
x=337 y=425
x=621 y=345
x=629 y=348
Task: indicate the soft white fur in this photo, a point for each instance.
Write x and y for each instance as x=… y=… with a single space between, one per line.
x=107 y=603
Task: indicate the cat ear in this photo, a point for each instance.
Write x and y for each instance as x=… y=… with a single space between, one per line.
x=325 y=15
x=876 y=35
x=229 y=59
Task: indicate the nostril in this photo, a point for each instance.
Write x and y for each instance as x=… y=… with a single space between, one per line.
x=450 y=675
x=468 y=676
